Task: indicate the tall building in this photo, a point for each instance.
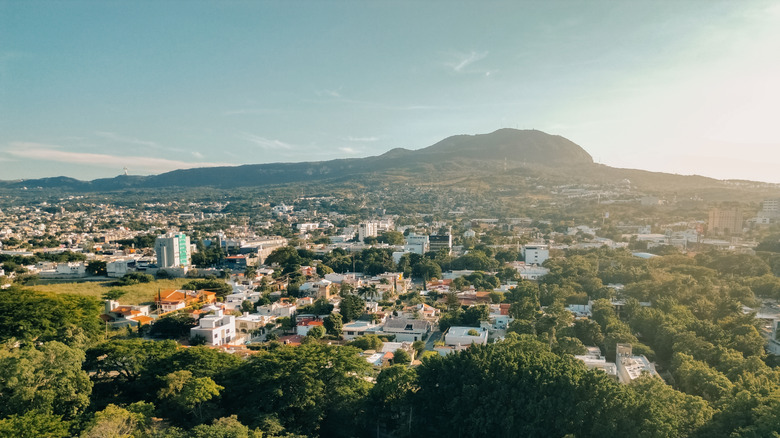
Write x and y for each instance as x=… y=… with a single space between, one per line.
x=442 y=241
x=771 y=208
x=367 y=229
x=535 y=254
x=173 y=250
x=726 y=221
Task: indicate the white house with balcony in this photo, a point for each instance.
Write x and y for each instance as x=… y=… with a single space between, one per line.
x=218 y=329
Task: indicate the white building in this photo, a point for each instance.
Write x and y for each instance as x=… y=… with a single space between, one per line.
x=218 y=329
x=359 y=328
x=173 y=250
x=629 y=367
x=408 y=330
x=535 y=254
x=530 y=272
x=466 y=336
x=367 y=229
x=278 y=310
x=250 y=323
x=594 y=360
x=417 y=244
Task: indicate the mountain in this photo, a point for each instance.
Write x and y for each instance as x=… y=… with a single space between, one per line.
x=460 y=151
x=481 y=157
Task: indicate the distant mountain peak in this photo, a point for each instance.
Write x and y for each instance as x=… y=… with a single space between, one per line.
x=529 y=146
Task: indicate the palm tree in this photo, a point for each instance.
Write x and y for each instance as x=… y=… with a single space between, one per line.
x=370 y=292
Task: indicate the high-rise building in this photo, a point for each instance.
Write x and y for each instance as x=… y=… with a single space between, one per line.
x=173 y=250
x=771 y=208
x=535 y=254
x=726 y=221
x=441 y=241
x=367 y=229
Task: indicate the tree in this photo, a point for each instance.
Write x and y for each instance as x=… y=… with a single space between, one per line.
x=219 y=287
x=47 y=378
x=114 y=294
x=316 y=332
x=313 y=387
x=125 y=360
x=401 y=357
x=115 y=421
x=247 y=306
x=34 y=424
x=369 y=292
x=227 y=427
x=537 y=385
x=367 y=342
x=96 y=267
x=188 y=394
x=333 y=324
x=176 y=326
x=392 y=238
x=36 y=316
x=389 y=397
x=351 y=307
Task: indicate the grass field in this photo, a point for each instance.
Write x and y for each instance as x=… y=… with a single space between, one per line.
x=135 y=294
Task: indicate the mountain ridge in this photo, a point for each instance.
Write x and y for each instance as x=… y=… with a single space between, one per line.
x=530 y=152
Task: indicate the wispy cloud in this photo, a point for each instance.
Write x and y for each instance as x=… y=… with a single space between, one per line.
x=361 y=139
x=251 y=111
x=123 y=139
x=464 y=60
x=348 y=150
x=197 y=155
x=329 y=93
x=47 y=152
x=266 y=143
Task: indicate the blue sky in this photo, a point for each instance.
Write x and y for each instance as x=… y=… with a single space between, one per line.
x=88 y=88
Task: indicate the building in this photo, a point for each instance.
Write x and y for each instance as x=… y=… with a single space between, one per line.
x=173 y=250
x=535 y=254
x=417 y=244
x=171 y=300
x=248 y=325
x=771 y=208
x=726 y=221
x=629 y=367
x=594 y=360
x=407 y=330
x=367 y=229
x=439 y=242
x=356 y=329
x=466 y=336
x=303 y=327
x=218 y=329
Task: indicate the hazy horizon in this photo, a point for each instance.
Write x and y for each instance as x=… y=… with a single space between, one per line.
x=88 y=88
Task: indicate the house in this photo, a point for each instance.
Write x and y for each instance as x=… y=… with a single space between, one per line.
x=277 y=309
x=171 y=300
x=409 y=330
x=465 y=336
x=120 y=316
x=218 y=329
x=303 y=327
x=355 y=329
x=247 y=325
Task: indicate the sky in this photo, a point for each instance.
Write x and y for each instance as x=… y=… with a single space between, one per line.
x=90 y=88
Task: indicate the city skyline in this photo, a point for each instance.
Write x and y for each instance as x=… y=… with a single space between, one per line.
x=89 y=88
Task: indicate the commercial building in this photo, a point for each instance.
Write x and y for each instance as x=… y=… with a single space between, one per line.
x=173 y=250
x=535 y=254
x=726 y=221
x=439 y=242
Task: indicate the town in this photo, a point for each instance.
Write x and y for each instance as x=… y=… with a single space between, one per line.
x=396 y=290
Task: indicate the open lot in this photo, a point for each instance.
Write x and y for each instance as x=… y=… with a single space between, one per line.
x=135 y=294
